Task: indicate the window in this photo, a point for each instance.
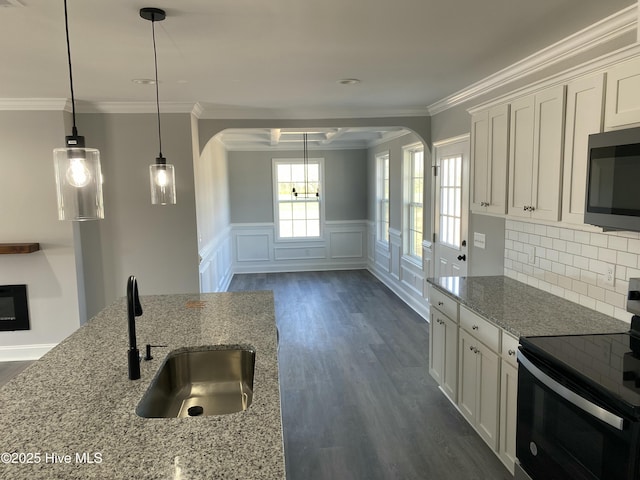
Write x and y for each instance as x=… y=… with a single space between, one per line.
x=297 y=198
x=382 y=204
x=450 y=200
x=413 y=199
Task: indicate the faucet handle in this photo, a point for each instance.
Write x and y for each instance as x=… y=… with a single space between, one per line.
x=148 y=356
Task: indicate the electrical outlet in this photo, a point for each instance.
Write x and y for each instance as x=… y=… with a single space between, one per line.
x=610 y=274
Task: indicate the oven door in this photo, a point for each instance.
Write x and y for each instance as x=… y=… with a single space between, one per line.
x=563 y=434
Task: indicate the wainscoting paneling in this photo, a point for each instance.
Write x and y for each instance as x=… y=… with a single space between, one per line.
x=256 y=249
x=215 y=264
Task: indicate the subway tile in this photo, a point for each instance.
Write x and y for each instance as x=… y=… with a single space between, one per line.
x=582 y=237
x=596 y=292
x=521 y=278
x=572 y=296
x=546 y=264
x=574 y=248
x=588 y=277
x=632 y=273
x=597 y=266
x=621 y=314
x=527 y=270
x=589 y=251
x=572 y=272
x=528 y=227
x=553 y=232
x=518 y=246
x=534 y=239
x=588 y=302
x=616 y=299
x=542 y=285
x=607 y=255
x=581 y=262
x=523 y=258
x=523 y=237
x=565 y=258
x=551 y=278
x=508 y=224
x=633 y=245
x=532 y=282
x=627 y=259
x=634 y=235
x=560 y=245
x=622 y=286
x=598 y=239
x=621 y=272
x=565 y=282
x=553 y=255
x=508 y=244
x=557 y=290
x=546 y=242
x=580 y=287
x=540 y=230
x=617 y=243
x=558 y=268
x=604 y=308
x=538 y=273
x=566 y=234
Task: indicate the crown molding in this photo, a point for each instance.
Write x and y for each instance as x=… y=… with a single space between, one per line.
x=219 y=112
x=35 y=104
x=133 y=107
x=607 y=29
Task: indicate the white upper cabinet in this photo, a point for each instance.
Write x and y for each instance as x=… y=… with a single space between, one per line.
x=623 y=95
x=489 y=165
x=585 y=99
x=535 y=154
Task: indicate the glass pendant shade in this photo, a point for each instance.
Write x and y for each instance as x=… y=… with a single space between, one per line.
x=163 y=184
x=78 y=183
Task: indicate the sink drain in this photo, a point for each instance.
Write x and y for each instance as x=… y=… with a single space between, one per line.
x=195 y=411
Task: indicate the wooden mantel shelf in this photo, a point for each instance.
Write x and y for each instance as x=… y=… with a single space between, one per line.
x=9 y=248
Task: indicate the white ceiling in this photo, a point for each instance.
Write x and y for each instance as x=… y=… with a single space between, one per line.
x=279 y=54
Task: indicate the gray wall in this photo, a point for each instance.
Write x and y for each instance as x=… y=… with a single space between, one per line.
x=29 y=214
x=157 y=244
x=251 y=185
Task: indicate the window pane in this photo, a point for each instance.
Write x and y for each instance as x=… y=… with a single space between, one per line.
x=284 y=173
x=313 y=228
x=297 y=172
x=313 y=210
x=299 y=228
x=313 y=173
x=298 y=210
x=286 y=229
x=285 y=211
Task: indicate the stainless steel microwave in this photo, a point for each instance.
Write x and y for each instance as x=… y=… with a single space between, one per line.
x=613 y=180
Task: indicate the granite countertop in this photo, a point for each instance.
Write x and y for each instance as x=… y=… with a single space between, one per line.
x=523 y=310
x=78 y=399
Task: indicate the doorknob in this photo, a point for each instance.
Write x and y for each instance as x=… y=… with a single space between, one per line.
x=462 y=257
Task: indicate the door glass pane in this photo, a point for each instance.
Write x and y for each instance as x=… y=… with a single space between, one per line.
x=451 y=200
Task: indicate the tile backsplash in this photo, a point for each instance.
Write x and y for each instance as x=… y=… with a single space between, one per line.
x=574 y=264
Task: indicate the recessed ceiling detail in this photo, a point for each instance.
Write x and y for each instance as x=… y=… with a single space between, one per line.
x=318 y=138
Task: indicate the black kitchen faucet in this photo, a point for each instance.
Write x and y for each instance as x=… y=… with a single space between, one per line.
x=134 y=309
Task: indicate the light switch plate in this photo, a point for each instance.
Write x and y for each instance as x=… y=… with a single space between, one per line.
x=479 y=240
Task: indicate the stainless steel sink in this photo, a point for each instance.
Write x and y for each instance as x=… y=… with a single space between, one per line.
x=201 y=382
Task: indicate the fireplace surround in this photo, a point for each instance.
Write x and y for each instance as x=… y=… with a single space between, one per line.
x=14 y=309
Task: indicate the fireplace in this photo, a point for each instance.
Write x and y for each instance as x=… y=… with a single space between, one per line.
x=14 y=311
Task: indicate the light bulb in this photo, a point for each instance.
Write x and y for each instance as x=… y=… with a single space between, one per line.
x=78 y=174
x=161 y=178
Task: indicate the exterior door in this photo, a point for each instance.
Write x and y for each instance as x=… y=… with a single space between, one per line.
x=451 y=178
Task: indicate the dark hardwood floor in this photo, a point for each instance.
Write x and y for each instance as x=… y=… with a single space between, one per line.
x=358 y=402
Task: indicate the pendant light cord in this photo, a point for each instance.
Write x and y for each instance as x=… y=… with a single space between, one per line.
x=73 y=101
x=155 y=61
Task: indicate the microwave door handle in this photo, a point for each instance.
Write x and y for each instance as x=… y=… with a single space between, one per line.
x=570 y=396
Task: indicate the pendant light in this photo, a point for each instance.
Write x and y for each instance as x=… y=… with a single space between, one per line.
x=305 y=166
x=78 y=171
x=162 y=176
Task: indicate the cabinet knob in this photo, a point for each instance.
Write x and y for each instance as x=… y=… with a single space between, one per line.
x=532 y=208
x=462 y=257
x=475 y=350
x=475 y=327
x=471 y=348
x=511 y=352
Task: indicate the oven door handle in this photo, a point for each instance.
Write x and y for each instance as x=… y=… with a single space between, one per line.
x=582 y=403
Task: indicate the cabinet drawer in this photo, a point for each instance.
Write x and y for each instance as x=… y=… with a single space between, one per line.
x=444 y=303
x=480 y=328
x=509 y=348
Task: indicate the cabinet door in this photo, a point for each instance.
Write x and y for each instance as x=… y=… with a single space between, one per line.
x=623 y=95
x=498 y=159
x=450 y=374
x=436 y=345
x=508 y=401
x=468 y=377
x=547 y=153
x=521 y=155
x=479 y=161
x=488 y=371
x=584 y=116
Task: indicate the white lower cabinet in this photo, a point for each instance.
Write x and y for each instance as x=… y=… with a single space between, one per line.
x=508 y=413
x=474 y=362
x=478 y=387
x=443 y=352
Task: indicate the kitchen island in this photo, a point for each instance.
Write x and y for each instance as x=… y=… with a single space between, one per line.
x=71 y=414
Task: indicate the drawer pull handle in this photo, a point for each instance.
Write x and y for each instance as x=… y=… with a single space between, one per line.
x=440 y=304
x=511 y=352
x=475 y=350
x=475 y=327
x=471 y=348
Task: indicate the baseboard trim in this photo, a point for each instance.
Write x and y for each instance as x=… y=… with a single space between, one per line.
x=19 y=353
